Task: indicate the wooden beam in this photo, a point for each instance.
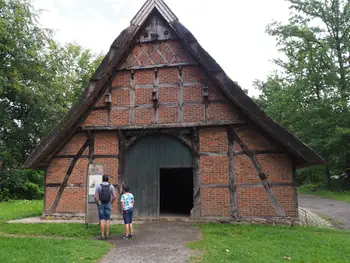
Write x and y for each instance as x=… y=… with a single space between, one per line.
x=196 y=210
x=132 y=97
x=68 y=173
x=261 y=152
x=268 y=189
x=161 y=126
x=294 y=184
x=190 y=144
x=156 y=103
x=215 y=185
x=253 y=185
x=231 y=174
x=181 y=97
x=70 y=156
x=158 y=66
x=67 y=185
x=176 y=131
x=213 y=153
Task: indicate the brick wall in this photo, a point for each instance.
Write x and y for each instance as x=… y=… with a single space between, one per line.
x=253 y=201
x=214 y=170
x=73 y=197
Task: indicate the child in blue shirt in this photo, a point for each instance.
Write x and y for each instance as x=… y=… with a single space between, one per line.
x=127 y=202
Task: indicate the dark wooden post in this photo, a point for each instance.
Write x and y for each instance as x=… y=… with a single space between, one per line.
x=231 y=173
x=196 y=210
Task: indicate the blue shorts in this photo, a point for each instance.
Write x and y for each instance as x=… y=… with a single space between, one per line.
x=127 y=215
x=104 y=211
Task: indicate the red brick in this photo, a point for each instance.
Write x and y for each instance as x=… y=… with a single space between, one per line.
x=214 y=169
x=192 y=93
x=143 y=77
x=74 y=144
x=213 y=140
x=143 y=96
x=254 y=140
x=96 y=118
x=168 y=115
x=65 y=205
x=122 y=79
x=106 y=143
x=221 y=112
x=144 y=116
x=278 y=168
x=168 y=95
x=120 y=117
x=121 y=97
x=168 y=75
x=194 y=113
x=110 y=167
x=215 y=202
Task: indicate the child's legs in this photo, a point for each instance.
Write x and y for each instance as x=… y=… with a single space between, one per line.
x=126 y=230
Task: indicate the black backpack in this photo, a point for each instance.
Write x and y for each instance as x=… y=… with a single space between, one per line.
x=105 y=194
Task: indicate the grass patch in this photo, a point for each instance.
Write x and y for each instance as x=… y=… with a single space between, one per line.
x=340 y=196
x=19 y=209
x=242 y=243
x=51 y=250
x=27 y=250
x=57 y=229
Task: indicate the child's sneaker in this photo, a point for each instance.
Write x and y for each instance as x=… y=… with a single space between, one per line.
x=131 y=236
x=125 y=237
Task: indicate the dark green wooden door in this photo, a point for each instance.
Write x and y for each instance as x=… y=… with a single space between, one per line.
x=142 y=164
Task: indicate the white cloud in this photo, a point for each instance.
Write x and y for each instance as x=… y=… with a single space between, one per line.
x=233 y=32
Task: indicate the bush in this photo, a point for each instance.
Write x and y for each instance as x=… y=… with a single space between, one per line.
x=17 y=183
x=312 y=187
x=4 y=194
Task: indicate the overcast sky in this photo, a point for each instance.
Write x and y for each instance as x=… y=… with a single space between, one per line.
x=233 y=32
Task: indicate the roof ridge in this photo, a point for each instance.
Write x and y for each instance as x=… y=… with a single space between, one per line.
x=148 y=7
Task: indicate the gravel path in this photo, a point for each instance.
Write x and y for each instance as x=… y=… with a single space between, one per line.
x=337 y=212
x=155 y=242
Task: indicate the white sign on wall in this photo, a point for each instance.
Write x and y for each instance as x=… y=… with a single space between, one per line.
x=95 y=178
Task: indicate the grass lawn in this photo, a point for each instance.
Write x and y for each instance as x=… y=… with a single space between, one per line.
x=57 y=229
x=242 y=243
x=19 y=209
x=23 y=250
x=33 y=249
x=340 y=196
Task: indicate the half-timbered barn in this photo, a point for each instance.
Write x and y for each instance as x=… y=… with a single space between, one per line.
x=161 y=115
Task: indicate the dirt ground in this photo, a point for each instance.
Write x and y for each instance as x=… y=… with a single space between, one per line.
x=155 y=242
x=337 y=212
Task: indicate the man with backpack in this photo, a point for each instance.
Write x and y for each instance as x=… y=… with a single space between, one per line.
x=105 y=196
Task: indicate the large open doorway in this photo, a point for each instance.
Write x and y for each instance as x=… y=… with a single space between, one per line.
x=176 y=191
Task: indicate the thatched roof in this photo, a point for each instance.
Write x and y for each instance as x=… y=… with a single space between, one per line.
x=106 y=71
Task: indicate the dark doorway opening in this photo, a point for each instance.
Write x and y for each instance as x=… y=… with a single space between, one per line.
x=176 y=191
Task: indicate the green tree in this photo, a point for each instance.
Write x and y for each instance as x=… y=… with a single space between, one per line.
x=310 y=93
x=39 y=81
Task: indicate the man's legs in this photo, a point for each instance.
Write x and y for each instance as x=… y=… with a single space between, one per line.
x=101 y=218
x=102 y=227
x=108 y=223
